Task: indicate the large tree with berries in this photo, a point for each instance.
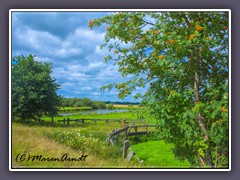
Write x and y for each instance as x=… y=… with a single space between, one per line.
x=182 y=58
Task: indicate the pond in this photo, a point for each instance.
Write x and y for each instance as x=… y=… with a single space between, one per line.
x=97 y=111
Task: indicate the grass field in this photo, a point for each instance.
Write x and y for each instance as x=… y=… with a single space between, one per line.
x=158 y=154
x=120 y=115
x=116 y=106
x=125 y=106
x=53 y=140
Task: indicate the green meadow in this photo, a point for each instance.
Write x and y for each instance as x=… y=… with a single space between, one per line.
x=52 y=140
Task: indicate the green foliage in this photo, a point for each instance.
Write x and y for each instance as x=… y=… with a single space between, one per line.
x=84 y=102
x=183 y=58
x=86 y=142
x=33 y=89
x=110 y=106
x=99 y=105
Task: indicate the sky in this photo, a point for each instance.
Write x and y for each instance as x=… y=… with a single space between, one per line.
x=65 y=39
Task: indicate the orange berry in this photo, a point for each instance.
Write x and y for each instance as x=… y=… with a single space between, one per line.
x=191 y=36
x=90 y=23
x=108 y=28
x=121 y=85
x=223 y=109
x=156 y=32
x=161 y=56
x=172 y=41
x=198 y=28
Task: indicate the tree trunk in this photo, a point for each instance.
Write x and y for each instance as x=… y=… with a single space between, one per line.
x=200 y=119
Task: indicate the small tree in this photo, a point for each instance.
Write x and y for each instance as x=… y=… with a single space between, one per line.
x=99 y=104
x=110 y=107
x=33 y=89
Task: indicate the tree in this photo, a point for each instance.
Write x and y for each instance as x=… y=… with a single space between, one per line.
x=33 y=89
x=64 y=102
x=98 y=105
x=87 y=102
x=110 y=106
x=183 y=58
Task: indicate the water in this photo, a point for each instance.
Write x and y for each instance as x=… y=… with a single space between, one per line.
x=97 y=111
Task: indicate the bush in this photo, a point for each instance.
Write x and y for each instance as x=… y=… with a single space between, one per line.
x=110 y=107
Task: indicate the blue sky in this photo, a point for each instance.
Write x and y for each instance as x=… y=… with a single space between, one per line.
x=65 y=39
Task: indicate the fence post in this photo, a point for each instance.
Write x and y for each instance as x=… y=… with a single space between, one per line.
x=82 y=121
x=126 y=134
x=135 y=128
x=126 y=145
x=64 y=121
x=106 y=120
x=110 y=139
x=68 y=121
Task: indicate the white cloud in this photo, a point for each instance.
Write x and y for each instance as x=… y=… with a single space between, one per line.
x=67 y=85
x=86 y=88
x=47 y=44
x=78 y=61
x=43 y=59
x=96 y=93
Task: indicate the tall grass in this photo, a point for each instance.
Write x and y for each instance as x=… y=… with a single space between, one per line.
x=46 y=141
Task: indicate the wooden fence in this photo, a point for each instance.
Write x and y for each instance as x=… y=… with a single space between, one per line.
x=127 y=130
x=88 y=120
x=114 y=137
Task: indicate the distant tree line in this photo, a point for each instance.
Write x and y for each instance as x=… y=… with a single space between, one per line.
x=84 y=102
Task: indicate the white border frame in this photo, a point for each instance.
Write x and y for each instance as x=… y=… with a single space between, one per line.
x=112 y=10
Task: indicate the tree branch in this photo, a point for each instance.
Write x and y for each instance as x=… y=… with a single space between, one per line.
x=186 y=20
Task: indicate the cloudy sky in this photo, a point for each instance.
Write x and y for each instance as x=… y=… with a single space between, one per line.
x=65 y=39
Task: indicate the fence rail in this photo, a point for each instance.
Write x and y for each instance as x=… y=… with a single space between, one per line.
x=115 y=136
x=85 y=120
